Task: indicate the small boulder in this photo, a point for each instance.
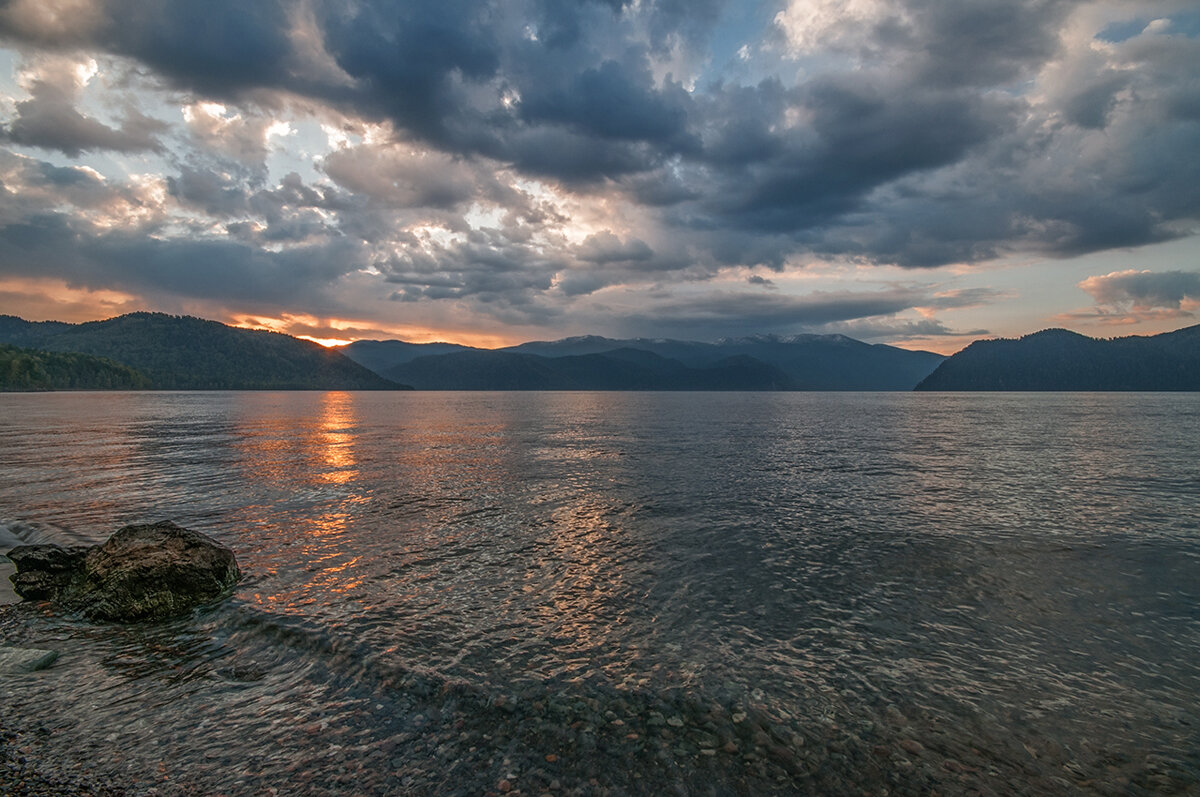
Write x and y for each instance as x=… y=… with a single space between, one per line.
x=146 y=572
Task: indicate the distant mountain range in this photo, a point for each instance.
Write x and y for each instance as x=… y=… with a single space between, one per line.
x=181 y=353
x=1056 y=359
x=158 y=351
x=769 y=362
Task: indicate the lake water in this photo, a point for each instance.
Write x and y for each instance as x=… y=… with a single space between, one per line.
x=629 y=592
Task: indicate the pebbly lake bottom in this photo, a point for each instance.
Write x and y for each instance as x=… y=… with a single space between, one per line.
x=280 y=709
x=623 y=594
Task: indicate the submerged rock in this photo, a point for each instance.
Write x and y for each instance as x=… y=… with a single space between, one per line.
x=146 y=572
x=25 y=659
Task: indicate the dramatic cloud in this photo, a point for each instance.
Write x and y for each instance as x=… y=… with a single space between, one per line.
x=49 y=119
x=703 y=167
x=1144 y=290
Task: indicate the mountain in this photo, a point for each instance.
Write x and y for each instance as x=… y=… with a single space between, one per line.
x=1056 y=359
x=619 y=369
x=836 y=362
x=810 y=362
x=381 y=355
x=185 y=353
x=29 y=369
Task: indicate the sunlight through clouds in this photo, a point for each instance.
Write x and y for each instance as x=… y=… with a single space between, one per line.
x=530 y=168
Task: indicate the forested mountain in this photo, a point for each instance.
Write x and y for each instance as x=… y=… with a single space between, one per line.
x=1056 y=359
x=181 y=352
x=29 y=369
x=802 y=362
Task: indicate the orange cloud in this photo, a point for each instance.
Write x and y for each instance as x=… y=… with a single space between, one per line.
x=37 y=299
x=340 y=331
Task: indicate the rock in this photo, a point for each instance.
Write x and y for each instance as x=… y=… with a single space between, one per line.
x=25 y=659
x=44 y=571
x=146 y=572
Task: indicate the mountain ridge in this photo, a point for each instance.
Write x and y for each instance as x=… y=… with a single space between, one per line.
x=1059 y=359
x=798 y=362
x=189 y=353
x=160 y=351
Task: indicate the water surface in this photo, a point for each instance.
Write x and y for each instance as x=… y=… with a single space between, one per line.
x=726 y=593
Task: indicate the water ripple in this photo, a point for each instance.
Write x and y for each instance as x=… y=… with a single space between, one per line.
x=891 y=591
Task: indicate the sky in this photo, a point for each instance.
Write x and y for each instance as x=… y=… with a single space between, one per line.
x=914 y=172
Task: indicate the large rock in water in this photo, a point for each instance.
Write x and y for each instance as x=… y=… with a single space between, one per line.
x=146 y=572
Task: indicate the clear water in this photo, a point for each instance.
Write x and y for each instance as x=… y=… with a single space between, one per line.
x=630 y=592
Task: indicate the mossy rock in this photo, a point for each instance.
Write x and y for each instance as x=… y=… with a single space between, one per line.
x=144 y=572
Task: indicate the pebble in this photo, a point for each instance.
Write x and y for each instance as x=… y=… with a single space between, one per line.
x=15 y=660
x=492 y=750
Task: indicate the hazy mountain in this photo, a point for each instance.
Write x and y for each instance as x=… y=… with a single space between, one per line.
x=181 y=352
x=810 y=362
x=382 y=355
x=836 y=362
x=1056 y=359
x=620 y=369
x=30 y=369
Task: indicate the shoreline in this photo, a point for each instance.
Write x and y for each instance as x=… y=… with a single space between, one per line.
x=28 y=766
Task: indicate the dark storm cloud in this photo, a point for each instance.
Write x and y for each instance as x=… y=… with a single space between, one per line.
x=58 y=125
x=732 y=314
x=615 y=101
x=209 y=191
x=863 y=135
x=53 y=245
x=604 y=247
x=217 y=48
x=1144 y=289
x=926 y=133
x=984 y=43
x=49 y=119
x=1092 y=103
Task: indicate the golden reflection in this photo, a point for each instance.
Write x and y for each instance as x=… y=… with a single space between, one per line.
x=336 y=438
x=300 y=451
x=586 y=587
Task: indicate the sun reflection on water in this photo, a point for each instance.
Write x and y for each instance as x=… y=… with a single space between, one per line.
x=336 y=436
x=306 y=456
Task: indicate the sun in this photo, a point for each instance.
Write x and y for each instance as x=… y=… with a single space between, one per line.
x=326 y=342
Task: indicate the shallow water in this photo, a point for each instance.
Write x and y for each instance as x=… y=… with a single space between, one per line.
x=716 y=593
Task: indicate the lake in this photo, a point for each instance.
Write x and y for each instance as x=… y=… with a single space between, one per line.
x=647 y=593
